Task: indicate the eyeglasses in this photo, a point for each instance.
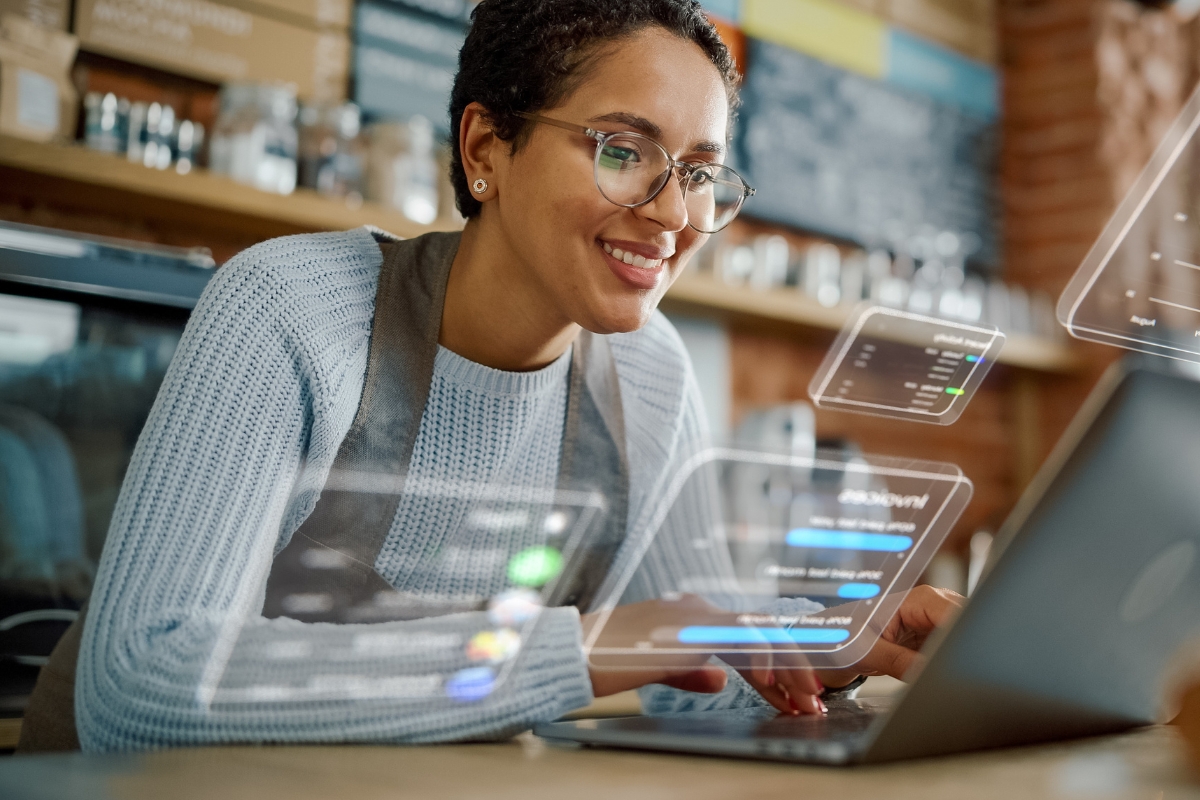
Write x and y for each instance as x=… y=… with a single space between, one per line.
x=631 y=170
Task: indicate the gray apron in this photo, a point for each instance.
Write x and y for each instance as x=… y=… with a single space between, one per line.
x=354 y=524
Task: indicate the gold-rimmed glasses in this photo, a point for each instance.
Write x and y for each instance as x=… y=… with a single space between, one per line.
x=632 y=169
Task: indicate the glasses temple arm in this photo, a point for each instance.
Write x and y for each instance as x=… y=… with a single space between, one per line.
x=566 y=126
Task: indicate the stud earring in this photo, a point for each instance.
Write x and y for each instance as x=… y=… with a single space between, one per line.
x=480 y=186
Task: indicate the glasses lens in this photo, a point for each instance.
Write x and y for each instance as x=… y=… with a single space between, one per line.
x=629 y=169
x=714 y=196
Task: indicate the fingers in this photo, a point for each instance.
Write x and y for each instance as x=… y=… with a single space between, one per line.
x=791 y=691
x=926 y=608
x=773 y=694
x=802 y=689
x=888 y=658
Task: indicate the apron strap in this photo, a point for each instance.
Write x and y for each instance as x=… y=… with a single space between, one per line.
x=593 y=459
x=327 y=571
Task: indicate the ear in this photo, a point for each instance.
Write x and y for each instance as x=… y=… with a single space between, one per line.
x=480 y=148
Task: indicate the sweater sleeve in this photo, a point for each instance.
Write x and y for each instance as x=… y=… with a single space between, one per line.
x=210 y=495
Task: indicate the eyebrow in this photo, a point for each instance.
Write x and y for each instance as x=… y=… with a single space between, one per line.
x=648 y=128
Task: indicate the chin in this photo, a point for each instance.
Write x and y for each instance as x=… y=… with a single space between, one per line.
x=624 y=317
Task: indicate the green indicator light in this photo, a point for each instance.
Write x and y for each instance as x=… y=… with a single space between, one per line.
x=535 y=566
x=954 y=391
x=973 y=359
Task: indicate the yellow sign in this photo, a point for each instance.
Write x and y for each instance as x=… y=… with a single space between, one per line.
x=824 y=29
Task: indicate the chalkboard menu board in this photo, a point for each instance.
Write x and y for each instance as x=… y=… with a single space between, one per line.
x=840 y=154
x=405 y=61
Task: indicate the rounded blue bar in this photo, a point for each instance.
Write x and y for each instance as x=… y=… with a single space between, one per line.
x=848 y=540
x=718 y=634
x=857 y=591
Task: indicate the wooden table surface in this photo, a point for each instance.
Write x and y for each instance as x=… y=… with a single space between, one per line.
x=1147 y=765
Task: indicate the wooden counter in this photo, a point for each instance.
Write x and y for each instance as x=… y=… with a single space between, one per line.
x=1147 y=764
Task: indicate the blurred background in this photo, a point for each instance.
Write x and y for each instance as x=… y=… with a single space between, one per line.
x=951 y=157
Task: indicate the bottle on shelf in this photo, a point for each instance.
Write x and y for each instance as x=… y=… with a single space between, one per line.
x=402 y=168
x=105 y=119
x=926 y=275
x=158 y=136
x=254 y=139
x=331 y=151
x=189 y=142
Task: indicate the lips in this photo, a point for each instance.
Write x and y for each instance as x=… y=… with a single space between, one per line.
x=637 y=265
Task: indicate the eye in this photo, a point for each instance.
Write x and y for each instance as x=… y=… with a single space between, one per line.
x=619 y=155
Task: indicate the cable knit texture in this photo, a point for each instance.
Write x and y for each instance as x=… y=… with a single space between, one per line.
x=232 y=459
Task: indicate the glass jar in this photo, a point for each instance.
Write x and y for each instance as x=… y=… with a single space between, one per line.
x=331 y=152
x=254 y=138
x=189 y=141
x=107 y=117
x=402 y=169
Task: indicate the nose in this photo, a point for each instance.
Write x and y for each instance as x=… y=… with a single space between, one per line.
x=667 y=209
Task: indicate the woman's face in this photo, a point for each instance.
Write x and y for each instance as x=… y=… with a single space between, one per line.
x=555 y=219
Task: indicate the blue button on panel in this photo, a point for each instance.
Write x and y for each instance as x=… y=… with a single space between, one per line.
x=718 y=634
x=848 y=540
x=857 y=591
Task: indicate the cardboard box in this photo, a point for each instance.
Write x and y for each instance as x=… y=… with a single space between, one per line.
x=37 y=100
x=968 y=26
x=217 y=43
x=54 y=14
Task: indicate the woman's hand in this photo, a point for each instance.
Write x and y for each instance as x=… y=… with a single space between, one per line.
x=895 y=654
x=778 y=672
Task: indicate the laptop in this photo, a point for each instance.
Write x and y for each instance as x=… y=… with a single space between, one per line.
x=1092 y=587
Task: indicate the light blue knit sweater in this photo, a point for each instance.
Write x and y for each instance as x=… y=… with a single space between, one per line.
x=261 y=391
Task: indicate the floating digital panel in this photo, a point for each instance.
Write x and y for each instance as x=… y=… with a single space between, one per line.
x=448 y=631
x=1139 y=286
x=805 y=558
x=894 y=363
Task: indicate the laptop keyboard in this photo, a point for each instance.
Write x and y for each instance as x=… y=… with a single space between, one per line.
x=748 y=732
x=846 y=720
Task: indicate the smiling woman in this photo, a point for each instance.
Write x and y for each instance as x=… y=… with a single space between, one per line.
x=315 y=516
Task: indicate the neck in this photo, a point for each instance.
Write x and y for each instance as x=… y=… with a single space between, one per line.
x=495 y=314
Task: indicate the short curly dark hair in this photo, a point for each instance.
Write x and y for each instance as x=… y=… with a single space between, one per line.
x=526 y=55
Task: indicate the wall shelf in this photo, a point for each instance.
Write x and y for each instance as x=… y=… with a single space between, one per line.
x=703 y=293
x=306 y=210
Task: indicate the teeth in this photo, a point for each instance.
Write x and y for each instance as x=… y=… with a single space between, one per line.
x=641 y=262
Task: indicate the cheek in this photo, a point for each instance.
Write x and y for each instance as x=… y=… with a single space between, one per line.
x=555 y=194
x=687 y=245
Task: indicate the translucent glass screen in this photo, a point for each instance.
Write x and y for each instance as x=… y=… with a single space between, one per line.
x=810 y=553
x=1139 y=287
x=451 y=629
x=895 y=363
